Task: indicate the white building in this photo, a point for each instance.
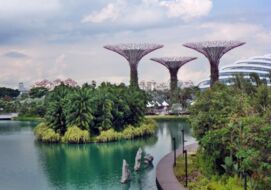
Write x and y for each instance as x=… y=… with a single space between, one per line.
x=22 y=88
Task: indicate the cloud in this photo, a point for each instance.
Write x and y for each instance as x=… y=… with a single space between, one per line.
x=111 y=12
x=236 y=31
x=60 y=43
x=123 y=12
x=18 y=8
x=187 y=9
x=15 y=54
x=148 y=11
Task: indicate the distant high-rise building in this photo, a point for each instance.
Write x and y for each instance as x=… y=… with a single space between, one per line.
x=152 y=85
x=22 y=88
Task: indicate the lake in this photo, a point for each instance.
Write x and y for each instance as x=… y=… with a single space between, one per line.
x=27 y=164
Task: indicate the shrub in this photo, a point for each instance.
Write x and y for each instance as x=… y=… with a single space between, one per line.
x=146 y=129
x=50 y=136
x=109 y=135
x=76 y=135
x=45 y=134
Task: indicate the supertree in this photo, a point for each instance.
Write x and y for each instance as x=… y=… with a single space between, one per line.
x=173 y=64
x=214 y=50
x=133 y=53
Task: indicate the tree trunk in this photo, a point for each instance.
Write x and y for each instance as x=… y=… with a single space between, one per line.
x=214 y=73
x=173 y=85
x=133 y=75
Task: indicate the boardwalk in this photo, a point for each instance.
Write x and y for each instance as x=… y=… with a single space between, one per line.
x=165 y=177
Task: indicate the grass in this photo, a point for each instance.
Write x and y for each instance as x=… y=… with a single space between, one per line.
x=193 y=169
x=168 y=117
x=197 y=181
x=28 y=118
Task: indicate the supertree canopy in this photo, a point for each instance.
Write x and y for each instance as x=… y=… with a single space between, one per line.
x=133 y=53
x=173 y=64
x=214 y=50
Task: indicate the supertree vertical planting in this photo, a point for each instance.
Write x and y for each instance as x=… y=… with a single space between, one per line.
x=214 y=50
x=173 y=64
x=133 y=53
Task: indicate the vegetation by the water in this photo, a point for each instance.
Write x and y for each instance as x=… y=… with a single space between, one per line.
x=29 y=118
x=146 y=129
x=106 y=113
x=233 y=128
x=169 y=117
x=45 y=134
x=75 y=135
x=198 y=181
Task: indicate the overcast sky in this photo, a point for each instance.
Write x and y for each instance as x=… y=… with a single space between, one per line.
x=49 y=39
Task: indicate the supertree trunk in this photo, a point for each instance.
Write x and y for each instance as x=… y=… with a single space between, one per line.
x=213 y=51
x=133 y=76
x=133 y=53
x=173 y=64
x=173 y=85
x=214 y=73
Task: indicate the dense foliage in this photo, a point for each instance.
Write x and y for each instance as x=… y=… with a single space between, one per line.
x=38 y=92
x=233 y=128
x=75 y=113
x=198 y=181
x=8 y=92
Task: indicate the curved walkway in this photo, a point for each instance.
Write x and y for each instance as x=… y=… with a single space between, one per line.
x=165 y=177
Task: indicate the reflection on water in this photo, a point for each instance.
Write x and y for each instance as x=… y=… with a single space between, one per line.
x=92 y=166
x=81 y=166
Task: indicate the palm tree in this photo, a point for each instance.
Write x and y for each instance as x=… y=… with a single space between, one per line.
x=79 y=110
x=56 y=115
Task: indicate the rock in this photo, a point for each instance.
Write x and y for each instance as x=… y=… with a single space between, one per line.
x=126 y=174
x=148 y=159
x=138 y=159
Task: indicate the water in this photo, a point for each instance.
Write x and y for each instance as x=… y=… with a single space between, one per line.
x=27 y=164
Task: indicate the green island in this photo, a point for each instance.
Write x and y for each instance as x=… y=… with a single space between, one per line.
x=88 y=114
x=232 y=126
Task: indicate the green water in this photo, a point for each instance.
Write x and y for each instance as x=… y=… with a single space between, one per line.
x=26 y=164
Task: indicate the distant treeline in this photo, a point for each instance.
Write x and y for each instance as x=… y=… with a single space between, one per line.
x=8 y=92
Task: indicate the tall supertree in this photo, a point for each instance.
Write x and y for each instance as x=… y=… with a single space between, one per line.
x=173 y=64
x=214 y=50
x=133 y=53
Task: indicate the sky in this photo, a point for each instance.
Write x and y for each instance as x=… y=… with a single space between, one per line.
x=49 y=39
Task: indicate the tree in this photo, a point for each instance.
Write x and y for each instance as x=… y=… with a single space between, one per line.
x=38 y=92
x=105 y=116
x=105 y=107
x=187 y=94
x=233 y=129
x=79 y=110
x=56 y=115
x=8 y=92
x=262 y=99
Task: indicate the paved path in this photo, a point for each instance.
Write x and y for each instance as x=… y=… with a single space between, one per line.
x=165 y=177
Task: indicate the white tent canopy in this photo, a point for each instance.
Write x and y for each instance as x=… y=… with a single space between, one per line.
x=149 y=105
x=165 y=104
